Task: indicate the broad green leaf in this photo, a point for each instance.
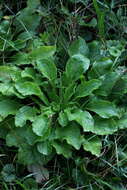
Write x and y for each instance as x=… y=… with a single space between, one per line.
x=115 y=47
x=71 y=134
x=29 y=72
x=42 y=52
x=19 y=44
x=87 y=87
x=5 y=73
x=47 y=68
x=25 y=113
x=1 y=118
x=108 y=82
x=82 y=117
x=8 y=89
x=4 y=28
x=13 y=140
x=30 y=137
x=8 y=73
x=105 y=126
x=41 y=125
x=8 y=107
x=100 y=67
x=124 y=78
x=62 y=148
x=28 y=19
x=26 y=155
x=44 y=147
x=30 y=88
x=8 y=173
x=103 y=108
x=62 y=119
x=20 y=136
x=122 y=122
x=92 y=144
x=120 y=88
x=29 y=155
x=94 y=50
x=79 y=46
x=4 y=128
x=24 y=36
x=76 y=66
x=114 y=51
x=21 y=59
x=32 y=4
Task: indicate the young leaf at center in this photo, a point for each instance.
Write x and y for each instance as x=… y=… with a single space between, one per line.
x=76 y=66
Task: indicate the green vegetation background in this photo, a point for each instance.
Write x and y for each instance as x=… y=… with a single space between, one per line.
x=41 y=42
